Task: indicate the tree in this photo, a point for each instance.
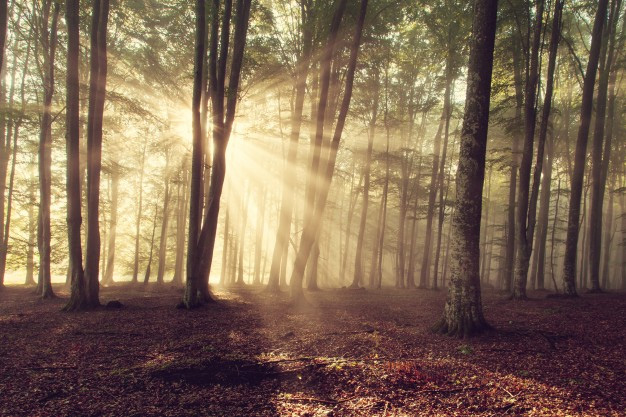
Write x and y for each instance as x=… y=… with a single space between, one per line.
x=573 y=229
x=48 y=43
x=319 y=197
x=463 y=315
x=201 y=240
x=78 y=298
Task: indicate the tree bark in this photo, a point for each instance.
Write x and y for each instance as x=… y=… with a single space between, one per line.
x=48 y=40
x=571 y=242
x=78 y=296
x=358 y=259
x=139 y=212
x=110 y=265
x=463 y=315
x=525 y=216
x=97 y=93
x=597 y=158
x=286 y=207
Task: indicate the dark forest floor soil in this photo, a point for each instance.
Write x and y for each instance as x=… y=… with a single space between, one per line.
x=352 y=353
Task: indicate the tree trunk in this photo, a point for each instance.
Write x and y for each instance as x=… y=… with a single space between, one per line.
x=97 y=92
x=432 y=195
x=146 y=277
x=260 y=228
x=45 y=149
x=463 y=315
x=358 y=260
x=289 y=187
x=78 y=297
x=597 y=164
x=544 y=216
x=311 y=227
x=202 y=240
x=525 y=214
x=115 y=180
x=139 y=212
x=571 y=242
x=164 y=230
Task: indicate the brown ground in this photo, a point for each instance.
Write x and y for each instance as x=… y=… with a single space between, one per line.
x=365 y=353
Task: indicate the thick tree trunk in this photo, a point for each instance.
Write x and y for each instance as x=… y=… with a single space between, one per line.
x=78 y=297
x=571 y=243
x=463 y=315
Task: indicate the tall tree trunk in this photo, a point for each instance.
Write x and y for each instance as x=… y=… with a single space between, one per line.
x=78 y=296
x=511 y=222
x=544 y=216
x=181 y=219
x=142 y=164
x=49 y=41
x=97 y=93
x=311 y=227
x=525 y=215
x=442 y=165
x=597 y=164
x=202 y=240
x=358 y=260
x=463 y=315
x=30 y=254
x=571 y=242
x=289 y=177
x=432 y=195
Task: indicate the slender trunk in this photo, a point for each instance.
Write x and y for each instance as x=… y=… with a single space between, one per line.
x=358 y=260
x=146 y=277
x=442 y=165
x=311 y=227
x=45 y=150
x=608 y=234
x=289 y=187
x=139 y=212
x=260 y=228
x=544 y=215
x=597 y=157
x=242 y=235
x=164 y=230
x=525 y=209
x=227 y=226
x=108 y=275
x=30 y=254
x=553 y=237
x=432 y=195
x=571 y=243
x=97 y=92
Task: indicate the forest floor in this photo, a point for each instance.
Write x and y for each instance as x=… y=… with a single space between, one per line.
x=352 y=353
